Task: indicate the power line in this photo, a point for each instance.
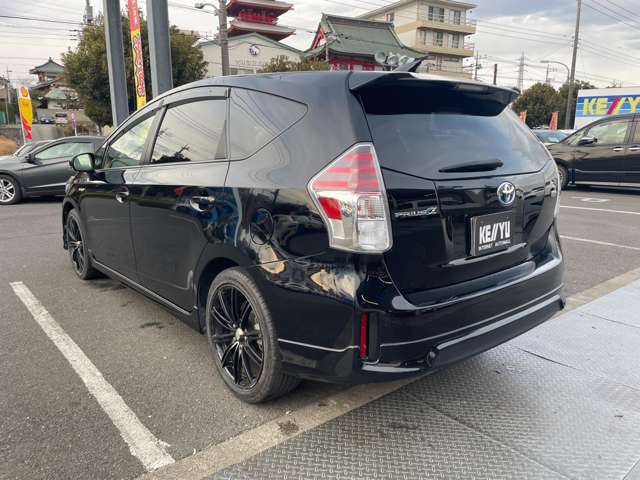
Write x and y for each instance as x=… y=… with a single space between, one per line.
x=35 y=19
x=609 y=15
x=626 y=10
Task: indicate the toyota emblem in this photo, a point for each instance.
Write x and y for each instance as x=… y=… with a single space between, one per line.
x=507 y=193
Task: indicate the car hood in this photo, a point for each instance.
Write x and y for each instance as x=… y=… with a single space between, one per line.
x=11 y=162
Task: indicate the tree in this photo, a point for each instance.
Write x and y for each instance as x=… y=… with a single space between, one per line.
x=284 y=64
x=539 y=101
x=564 y=92
x=86 y=66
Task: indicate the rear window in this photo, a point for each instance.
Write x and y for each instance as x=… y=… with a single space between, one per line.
x=422 y=144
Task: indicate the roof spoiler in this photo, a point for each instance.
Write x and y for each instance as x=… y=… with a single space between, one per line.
x=360 y=81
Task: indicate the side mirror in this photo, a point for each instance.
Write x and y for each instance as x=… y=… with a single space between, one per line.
x=83 y=162
x=587 y=141
x=28 y=158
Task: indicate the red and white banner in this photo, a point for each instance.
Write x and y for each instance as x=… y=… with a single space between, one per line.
x=553 y=124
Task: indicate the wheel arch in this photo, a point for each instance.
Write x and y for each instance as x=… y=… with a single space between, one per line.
x=209 y=272
x=15 y=177
x=67 y=206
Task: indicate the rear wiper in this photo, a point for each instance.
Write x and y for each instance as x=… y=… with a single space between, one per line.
x=480 y=166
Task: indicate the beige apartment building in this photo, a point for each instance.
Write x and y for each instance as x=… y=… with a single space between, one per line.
x=437 y=27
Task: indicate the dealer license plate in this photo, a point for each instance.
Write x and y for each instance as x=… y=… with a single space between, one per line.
x=491 y=233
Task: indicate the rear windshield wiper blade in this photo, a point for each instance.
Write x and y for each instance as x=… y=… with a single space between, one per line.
x=480 y=166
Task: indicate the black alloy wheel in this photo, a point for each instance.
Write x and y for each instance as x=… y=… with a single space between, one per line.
x=243 y=339
x=77 y=249
x=237 y=336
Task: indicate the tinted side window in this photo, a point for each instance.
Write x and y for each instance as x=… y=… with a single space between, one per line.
x=128 y=148
x=192 y=132
x=636 y=137
x=256 y=118
x=610 y=133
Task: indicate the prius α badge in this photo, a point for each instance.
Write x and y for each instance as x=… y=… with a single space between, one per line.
x=506 y=193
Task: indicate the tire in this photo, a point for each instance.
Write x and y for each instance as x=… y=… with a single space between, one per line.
x=78 y=254
x=243 y=340
x=10 y=191
x=564 y=177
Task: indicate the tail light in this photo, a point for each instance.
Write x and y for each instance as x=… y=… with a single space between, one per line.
x=350 y=195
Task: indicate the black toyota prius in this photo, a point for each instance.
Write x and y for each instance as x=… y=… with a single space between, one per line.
x=339 y=226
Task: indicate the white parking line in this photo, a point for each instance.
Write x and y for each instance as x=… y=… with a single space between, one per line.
x=597 y=242
x=601 y=210
x=142 y=443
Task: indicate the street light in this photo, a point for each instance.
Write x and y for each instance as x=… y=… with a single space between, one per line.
x=221 y=12
x=567 y=121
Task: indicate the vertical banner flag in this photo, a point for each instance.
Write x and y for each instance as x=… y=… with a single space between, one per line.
x=523 y=116
x=136 y=51
x=553 y=124
x=73 y=123
x=26 y=112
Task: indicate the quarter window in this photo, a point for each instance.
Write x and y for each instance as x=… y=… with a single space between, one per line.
x=128 y=148
x=256 y=118
x=610 y=133
x=192 y=132
x=636 y=137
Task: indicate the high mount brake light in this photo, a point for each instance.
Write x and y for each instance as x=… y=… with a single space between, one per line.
x=350 y=195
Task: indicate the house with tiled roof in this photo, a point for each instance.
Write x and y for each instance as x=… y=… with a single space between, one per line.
x=352 y=43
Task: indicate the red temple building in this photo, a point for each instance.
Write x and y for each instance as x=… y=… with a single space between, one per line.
x=259 y=16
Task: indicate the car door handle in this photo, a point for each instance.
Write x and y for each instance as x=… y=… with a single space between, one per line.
x=202 y=202
x=634 y=149
x=122 y=196
x=618 y=149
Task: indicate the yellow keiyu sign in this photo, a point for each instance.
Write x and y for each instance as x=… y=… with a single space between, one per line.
x=605 y=105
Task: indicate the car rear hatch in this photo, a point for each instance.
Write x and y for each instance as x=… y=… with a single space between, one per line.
x=471 y=190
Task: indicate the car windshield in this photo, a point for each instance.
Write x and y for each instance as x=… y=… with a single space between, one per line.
x=23 y=150
x=555 y=136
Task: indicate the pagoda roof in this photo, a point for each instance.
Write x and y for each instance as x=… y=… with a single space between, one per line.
x=277 y=32
x=274 y=6
x=48 y=67
x=355 y=36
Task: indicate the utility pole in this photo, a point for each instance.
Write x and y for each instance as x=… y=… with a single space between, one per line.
x=224 y=41
x=477 y=65
x=7 y=98
x=572 y=76
x=495 y=74
x=546 y=80
x=221 y=11
x=521 y=73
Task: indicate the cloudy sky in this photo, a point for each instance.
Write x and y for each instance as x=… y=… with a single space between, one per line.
x=541 y=29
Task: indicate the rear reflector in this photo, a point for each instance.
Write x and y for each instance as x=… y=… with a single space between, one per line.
x=364 y=335
x=352 y=200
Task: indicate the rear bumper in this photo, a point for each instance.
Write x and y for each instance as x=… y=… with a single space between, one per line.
x=405 y=340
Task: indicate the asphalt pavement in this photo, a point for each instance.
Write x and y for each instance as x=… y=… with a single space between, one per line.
x=52 y=427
